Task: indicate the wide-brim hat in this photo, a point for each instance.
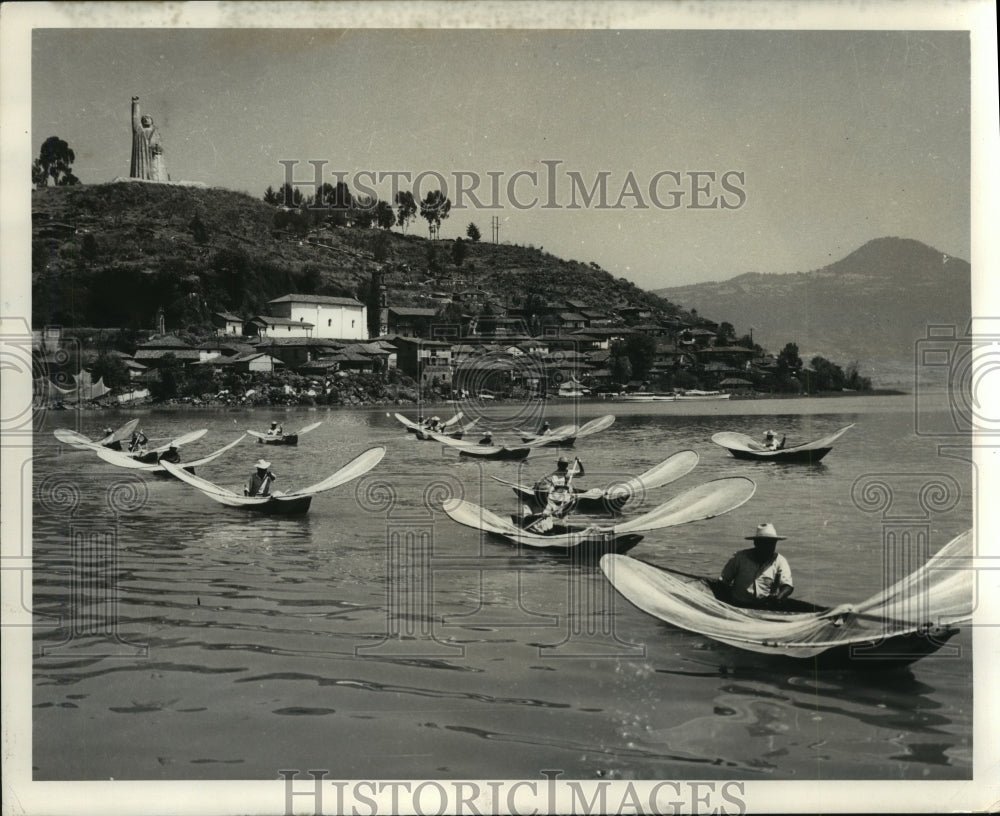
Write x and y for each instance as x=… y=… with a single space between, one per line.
x=262 y=464
x=562 y=460
x=765 y=532
x=770 y=433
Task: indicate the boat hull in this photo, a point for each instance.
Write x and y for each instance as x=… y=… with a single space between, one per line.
x=590 y=548
x=802 y=457
x=563 y=442
x=286 y=439
x=283 y=507
x=505 y=455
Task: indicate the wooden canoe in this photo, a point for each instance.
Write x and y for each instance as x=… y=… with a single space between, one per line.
x=702 y=502
x=283 y=439
x=857 y=636
x=613 y=498
x=292 y=503
x=742 y=446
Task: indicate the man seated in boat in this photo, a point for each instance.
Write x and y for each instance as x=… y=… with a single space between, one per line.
x=171 y=455
x=555 y=490
x=771 y=441
x=434 y=424
x=261 y=481
x=138 y=442
x=487 y=438
x=275 y=430
x=759 y=576
x=544 y=429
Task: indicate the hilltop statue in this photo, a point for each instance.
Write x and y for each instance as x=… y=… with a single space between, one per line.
x=147 y=149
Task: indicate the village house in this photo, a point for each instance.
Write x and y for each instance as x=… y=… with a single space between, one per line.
x=157 y=349
x=426 y=361
x=334 y=318
x=297 y=351
x=227 y=323
x=268 y=326
x=408 y=321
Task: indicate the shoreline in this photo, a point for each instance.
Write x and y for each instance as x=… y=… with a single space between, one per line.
x=185 y=404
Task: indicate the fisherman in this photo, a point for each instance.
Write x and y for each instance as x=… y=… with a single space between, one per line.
x=137 y=444
x=544 y=429
x=759 y=576
x=771 y=441
x=261 y=481
x=487 y=438
x=434 y=423
x=554 y=491
x=275 y=430
x=171 y=455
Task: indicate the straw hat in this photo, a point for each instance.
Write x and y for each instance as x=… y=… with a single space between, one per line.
x=562 y=460
x=770 y=433
x=765 y=532
x=262 y=464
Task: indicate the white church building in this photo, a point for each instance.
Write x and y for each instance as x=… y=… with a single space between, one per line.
x=337 y=318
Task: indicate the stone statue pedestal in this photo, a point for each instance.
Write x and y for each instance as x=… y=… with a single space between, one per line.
x=198 y=184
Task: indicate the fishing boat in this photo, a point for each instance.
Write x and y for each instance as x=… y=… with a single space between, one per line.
x=564 y=437
x=742 y=446
x=157 y=467
x=295 y=502
x=637 y=397
x=111 y=441
x=283 y=438
x=874 y=634
x=567 y=435
x=476 y=450
x=691 y=395
x=613 y=498
x=420 y=428
x=702 y=502
x=459 y=432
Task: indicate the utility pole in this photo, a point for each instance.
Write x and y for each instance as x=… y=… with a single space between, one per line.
x=495 y=223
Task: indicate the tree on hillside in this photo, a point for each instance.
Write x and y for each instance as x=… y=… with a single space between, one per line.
x=641 y=351
x=55 y=161
x=726 y=334
x=363 y=211
x=789 y=358
x=384 y=216
x=271 y=197
x=619 y=363
x=406 y=208
x=825 y=376
x=434 y=209
x=472 y=232
x=289 y=196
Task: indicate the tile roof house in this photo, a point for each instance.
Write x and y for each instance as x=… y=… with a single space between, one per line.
x=338 y=318
x=270 y=326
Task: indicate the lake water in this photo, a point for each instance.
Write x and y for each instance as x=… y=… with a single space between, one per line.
x=375 y=638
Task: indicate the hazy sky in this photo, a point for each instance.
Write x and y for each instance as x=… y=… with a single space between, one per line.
x=840 y=136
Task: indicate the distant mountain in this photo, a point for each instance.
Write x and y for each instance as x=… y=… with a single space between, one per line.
x=870 y=307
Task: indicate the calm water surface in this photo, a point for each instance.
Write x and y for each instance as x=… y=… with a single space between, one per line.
x=377 y=639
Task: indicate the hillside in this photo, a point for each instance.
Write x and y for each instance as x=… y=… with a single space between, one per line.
x=112 y=254
x=870 y=307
